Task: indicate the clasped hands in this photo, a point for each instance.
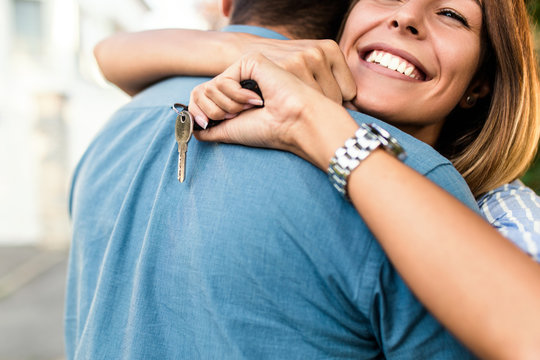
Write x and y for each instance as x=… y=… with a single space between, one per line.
x=304 y=84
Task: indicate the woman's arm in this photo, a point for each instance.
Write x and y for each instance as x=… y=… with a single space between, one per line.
x=479 y=285
x=133 y=61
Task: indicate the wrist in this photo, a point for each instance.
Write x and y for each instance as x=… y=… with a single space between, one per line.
x=367 y=139
x=241 y=44
x=229 y=46
x=327 y=126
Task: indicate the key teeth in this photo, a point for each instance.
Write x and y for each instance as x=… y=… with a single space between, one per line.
x=180 y=177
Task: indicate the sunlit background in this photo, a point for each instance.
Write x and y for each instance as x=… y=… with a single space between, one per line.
x=53 y=100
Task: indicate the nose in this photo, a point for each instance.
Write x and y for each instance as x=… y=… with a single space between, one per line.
x=409 y=19
x=413 y=30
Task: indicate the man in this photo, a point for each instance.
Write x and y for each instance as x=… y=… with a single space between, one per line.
x=253 y=256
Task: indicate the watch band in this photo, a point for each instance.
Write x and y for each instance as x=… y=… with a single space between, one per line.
x=357 y=148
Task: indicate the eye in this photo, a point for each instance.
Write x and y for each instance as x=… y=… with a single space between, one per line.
x=454 y=15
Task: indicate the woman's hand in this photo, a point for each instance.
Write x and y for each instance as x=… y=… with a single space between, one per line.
x=294 y=117
x=318 y=63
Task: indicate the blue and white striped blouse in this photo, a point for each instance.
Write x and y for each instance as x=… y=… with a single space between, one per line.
x=514 y=209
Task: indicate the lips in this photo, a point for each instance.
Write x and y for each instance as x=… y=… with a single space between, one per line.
x=394 y=62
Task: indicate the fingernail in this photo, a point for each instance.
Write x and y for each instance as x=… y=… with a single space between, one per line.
x=201 y=121
x=247 y=107
x=230 y=116
x=256 y=102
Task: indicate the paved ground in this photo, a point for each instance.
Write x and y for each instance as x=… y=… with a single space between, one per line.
x=31 y=303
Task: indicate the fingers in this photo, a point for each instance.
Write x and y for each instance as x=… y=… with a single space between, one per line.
x=220 y=98
x=328 y=84
x=340 y=69
x=237 y=131
x=308 y=62
x=345 y=80
x=318 y=63
x=199 y=116
x=214 y=134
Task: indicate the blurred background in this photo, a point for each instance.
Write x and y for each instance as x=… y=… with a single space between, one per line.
x=53 y=100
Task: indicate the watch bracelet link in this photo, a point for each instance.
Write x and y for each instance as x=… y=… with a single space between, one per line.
x=356 y=149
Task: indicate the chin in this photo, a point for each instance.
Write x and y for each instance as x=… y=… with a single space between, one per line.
x=372 y=108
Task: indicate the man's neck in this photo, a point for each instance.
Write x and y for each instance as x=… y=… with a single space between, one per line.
x=283 y=29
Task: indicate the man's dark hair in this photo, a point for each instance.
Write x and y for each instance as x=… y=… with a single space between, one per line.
x=304 y=19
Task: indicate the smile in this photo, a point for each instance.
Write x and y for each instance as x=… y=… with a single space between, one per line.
x=395 y=63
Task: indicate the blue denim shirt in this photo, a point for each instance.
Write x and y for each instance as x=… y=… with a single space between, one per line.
x=254 y=256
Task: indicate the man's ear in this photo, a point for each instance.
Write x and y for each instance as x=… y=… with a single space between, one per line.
x=226 y=7
x=476 y=90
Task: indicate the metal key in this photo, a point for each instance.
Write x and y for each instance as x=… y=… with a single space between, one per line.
x=183 y=131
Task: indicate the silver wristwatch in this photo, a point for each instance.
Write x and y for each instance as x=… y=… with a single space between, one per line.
x=366 y=139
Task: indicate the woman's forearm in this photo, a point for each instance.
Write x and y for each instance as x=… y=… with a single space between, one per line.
x=477 y=283
x=133 y=61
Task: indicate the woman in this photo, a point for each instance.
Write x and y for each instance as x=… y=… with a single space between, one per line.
x=462 y=263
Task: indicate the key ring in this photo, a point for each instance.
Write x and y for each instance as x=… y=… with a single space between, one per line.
x=176 y=110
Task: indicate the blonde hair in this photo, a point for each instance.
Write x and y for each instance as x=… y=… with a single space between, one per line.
x=495 y=142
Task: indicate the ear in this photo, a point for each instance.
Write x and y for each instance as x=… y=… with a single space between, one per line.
x=226 y=7
x=477 y=90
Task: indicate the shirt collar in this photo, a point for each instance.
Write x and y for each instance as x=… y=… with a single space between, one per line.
x=255 y=30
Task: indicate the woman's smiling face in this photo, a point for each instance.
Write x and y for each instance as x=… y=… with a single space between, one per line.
x=412 y=60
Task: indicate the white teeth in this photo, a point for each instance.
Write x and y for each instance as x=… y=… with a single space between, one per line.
x=409 y=71
x=385 y=61
x=394 y=63
x=391 y=62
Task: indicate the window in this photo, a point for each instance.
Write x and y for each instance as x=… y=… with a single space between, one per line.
x=28 y=26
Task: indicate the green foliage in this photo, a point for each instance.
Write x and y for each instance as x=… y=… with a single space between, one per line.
x=534 y=9
x=532 y=177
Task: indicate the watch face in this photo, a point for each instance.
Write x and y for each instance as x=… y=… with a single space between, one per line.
x=389 y=142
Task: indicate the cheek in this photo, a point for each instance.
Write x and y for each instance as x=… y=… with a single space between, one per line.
x=459 y=58
x=353 y=28
x=346 y=41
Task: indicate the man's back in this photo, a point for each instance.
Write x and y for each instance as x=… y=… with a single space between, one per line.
x=253 y=256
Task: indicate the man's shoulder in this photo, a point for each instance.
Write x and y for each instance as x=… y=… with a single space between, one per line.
x=421 y=157
x=166 y=92
x=427 y=161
